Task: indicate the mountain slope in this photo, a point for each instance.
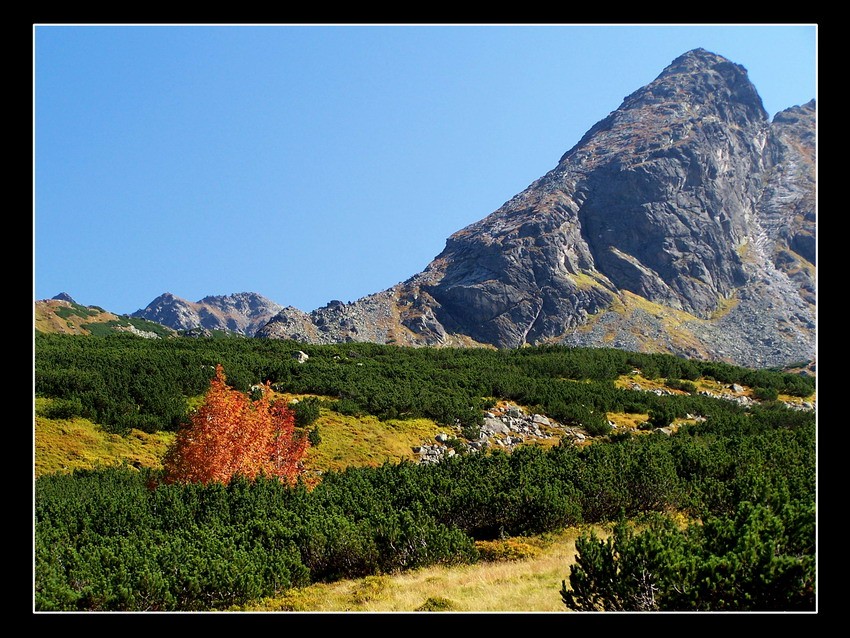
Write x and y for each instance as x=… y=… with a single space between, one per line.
x=63 y=315
x=682 y=222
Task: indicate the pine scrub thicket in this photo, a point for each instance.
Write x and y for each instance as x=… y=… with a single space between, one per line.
x=125 y=540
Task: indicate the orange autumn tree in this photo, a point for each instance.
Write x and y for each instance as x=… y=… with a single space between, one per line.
x=232 y=435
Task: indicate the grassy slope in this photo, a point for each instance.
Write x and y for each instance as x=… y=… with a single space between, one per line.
x=48 y=320
x=366 y=441
x=68 y=444
x=53 y=316
x=65 y=445
x=531 y=583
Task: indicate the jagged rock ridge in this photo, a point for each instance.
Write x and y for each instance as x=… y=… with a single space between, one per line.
x=242 y=313
x=682 y=222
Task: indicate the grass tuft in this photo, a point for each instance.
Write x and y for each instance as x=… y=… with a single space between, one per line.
x=437 y=603
x=369 y=589
x=506 y=550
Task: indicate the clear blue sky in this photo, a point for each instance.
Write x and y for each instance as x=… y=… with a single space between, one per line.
x=312 y=163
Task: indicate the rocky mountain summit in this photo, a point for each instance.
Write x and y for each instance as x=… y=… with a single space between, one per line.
x=243 y=313
x=683 y=222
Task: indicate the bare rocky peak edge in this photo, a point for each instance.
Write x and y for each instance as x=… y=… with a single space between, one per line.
x=241 y=313
x=683 y=222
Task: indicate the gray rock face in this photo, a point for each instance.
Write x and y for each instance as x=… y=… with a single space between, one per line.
x=240 y=313
x=683 y=222
x=369 y=319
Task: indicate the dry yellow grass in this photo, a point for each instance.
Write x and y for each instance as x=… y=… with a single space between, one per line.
x=365 y=441
x=349 y=441
x=724 y=307
x=529 y=585
x=627 y=420
x=65 y=445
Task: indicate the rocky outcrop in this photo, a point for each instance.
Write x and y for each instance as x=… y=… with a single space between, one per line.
x=506 y=429
x=402 y=315
x=683 y=222
x=240 y=313
x=64 y=296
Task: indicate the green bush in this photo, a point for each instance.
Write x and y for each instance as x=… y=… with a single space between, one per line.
x=471 y=432
x=348 y=407
x=306 y=411
x=766 y=394
x=457 y=445
x=679 y=384
x=64 y=409
x=120 y=374
x=661 y=416
x=760 y=559
x=314 y=436
x=596 y=424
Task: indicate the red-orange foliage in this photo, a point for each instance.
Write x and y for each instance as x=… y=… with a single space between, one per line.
x=232 y=435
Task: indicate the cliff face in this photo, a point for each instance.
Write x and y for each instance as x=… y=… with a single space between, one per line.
x=683 y=222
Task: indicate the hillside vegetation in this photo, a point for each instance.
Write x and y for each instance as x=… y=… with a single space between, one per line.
x=630 y=437
x=57 y=316
x=519 y=575
x=65 y=445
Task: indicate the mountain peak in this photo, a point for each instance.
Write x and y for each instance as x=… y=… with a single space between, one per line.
x=241 y=313
x=236 y=297
x=699 y=79
x=64 y=296
x=699 y=62
x=165 y=297
x=682 y=222
x=695 y=59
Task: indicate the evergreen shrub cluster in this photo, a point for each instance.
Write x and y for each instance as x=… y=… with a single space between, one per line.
x=121 y=539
